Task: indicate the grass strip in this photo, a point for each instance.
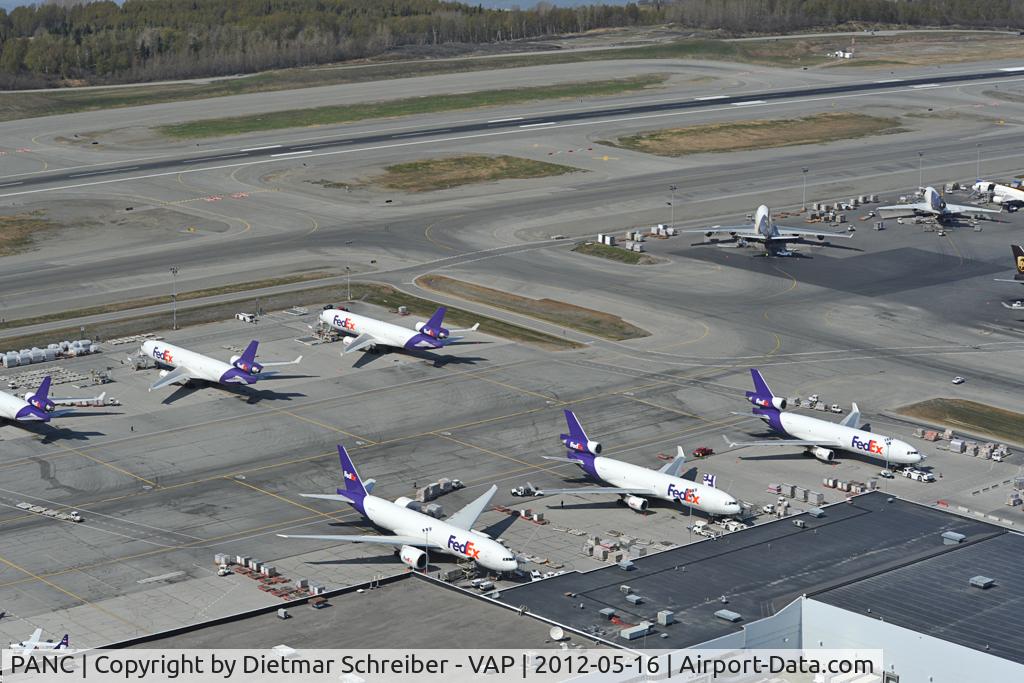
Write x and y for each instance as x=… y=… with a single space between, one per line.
x=586 y=320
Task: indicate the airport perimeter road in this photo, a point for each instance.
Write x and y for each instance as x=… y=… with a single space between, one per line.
x=14 y=186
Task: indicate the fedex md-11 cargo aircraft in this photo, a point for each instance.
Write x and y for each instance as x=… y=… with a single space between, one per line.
x=368 y=333
x=186 y=365
x=36 y=407
x=822 y=438
x=764 y=229
x=932 y=205
x=636 y=484
x=413 y=531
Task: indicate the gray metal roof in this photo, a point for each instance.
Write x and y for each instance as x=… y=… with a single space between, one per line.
x=934 y=596
x=759 y=570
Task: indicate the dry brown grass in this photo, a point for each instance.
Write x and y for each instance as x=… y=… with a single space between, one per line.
x=970 y=416
x=761 y=134
x=929 y=49
x=17 y=232
x=586 y=320
x=443 y=173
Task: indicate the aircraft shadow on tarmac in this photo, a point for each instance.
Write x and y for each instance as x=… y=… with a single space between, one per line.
x=51 y=434
x=251 y=394
x=439 y=361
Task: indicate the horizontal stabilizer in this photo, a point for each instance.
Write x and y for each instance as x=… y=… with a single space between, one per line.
x=329 y=496
x=272 y=363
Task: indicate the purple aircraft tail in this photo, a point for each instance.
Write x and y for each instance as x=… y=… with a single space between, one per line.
x=436 y=321
x=41 y=399
x=761 y=390
x=249 y=355
x=766 y=404
x=63 y=644
x=354 y=487
x=575 y=428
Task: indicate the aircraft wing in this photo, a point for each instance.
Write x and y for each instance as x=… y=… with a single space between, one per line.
x=786 y=230
x=852 y=419
x=594 y=490
x=33 y=640
x=360 y=342
x=328 y=496
x=967 y=208
x=908 y=209
x=778 y=442
x=467 y=516
x=179 y=374
x=381 y=540
x=272 y=363
x=746 y=231
x=74 y=401
x=672 y=469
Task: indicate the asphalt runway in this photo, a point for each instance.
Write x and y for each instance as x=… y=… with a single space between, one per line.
x=13 y=187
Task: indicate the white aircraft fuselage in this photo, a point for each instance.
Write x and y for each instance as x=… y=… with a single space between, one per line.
x=460 y=543
x=831 y=435
x=707 y=499
x=383 y=333
x=199 y=366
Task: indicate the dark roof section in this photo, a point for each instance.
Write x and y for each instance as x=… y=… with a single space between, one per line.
x=411 y=612
x=759 y=570
x=935 y=597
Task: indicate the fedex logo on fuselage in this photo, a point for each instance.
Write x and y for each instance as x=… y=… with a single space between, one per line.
x=345 y=323
x=164 y=356
x=467 y=548
x=683 y=495
x=873 y=447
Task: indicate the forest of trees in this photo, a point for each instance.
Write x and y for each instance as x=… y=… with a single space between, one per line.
x=161 y=39
x=103 y=42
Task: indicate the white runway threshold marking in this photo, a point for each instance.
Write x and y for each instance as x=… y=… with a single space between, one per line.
x=288 y=154
x=514 y=118
x=257 y=149
x=710 y=97
x=1012 y=68
x=925 y=85
x=890 y=80
x=534 y=125
x=748 y=102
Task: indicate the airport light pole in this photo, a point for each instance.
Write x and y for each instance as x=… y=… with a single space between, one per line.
x=977 y=164
x=920 y=170
x=672 y=204
x=426 y=548
x=804 y=203
x=348 y=282
x=174 y=297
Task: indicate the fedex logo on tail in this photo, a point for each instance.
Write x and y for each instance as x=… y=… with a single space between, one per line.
x=873 y=447
x=348 y=475
x=467 y=548
x=345 y=323
x=164 y=355
x=683 y=495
